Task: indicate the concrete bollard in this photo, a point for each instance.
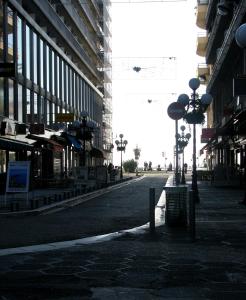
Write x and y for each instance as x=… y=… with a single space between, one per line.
x=152 y=210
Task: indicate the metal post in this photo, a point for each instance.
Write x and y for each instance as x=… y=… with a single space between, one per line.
x=121 y=172
x=176 y=149
x=194 y=171
x=192 y=216
x=152 y=210
x=183 y=172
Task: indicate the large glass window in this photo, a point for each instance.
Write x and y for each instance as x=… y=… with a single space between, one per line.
x=58 y=76
x=19 y=45
x=42 y=115
x=11 y=99
x=53 y=72
x=35 y=107
x=35 y=61
x=48 y=112
x=41 y=45
x=28 y=105
x=10 y=36
x=48 y=68
x=1 y=97
x=28 y=58
x=20 y=104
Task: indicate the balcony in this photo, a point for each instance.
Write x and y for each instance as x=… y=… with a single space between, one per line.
x=202 y=8
x=203 y=73
x=202 y=41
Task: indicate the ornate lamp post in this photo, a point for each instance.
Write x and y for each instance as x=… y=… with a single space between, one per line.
x=85 y=133
x=121 y=146
x=183 y=141
x=137 y=152
x=195 y=108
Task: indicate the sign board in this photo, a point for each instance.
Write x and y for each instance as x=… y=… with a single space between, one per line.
x=175 y=110
x=18 y=177
x=64 y=117
x=7 y=69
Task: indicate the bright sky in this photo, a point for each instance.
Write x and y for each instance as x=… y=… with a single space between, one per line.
x=160 y=38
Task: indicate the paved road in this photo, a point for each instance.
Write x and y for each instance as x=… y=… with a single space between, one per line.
x=119 y=209
x=164 y=266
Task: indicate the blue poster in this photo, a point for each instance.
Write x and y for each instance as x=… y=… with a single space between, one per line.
x=18 y=177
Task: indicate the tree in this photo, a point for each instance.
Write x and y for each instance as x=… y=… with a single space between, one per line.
x=130 y=165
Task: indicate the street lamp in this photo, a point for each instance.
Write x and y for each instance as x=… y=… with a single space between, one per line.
x=85 y=133
x=195 y=108
x=137 y=152
x=121 y=146
x=183 y=141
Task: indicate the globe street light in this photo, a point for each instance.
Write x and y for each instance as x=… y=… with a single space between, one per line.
x=121 y=146
x=183 y=141
x=195 y=108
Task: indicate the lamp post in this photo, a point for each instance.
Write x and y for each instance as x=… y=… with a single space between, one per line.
x=87 y=128
x=121 y=146
x=195 y=108
x=137 y=152
x=183 y=141
x=240 y=38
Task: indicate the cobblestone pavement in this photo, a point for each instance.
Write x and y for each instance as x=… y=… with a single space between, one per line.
x=167 y=265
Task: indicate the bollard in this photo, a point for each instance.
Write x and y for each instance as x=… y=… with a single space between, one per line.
x=152 y=210
x=192 y=216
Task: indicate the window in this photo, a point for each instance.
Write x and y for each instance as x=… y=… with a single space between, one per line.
x=28 y=58
x=10 y=36
x=19 y=45
x=35 y=107
x=28 y=105
x=20 y=103
x=58 y=76
x=48 y=68
x=11 y=99
x=35 y=60
x=41 y=45
x=1 y=97
x=52 y=72
x=42 y=106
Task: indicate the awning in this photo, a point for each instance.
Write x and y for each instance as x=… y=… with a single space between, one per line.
x=73 y=141
x=96 y=153
x=14 y=145
x=50 y=144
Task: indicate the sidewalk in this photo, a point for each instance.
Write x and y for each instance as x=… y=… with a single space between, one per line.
x=167 y=265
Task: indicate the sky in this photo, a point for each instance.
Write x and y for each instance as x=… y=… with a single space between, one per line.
x=160 y=38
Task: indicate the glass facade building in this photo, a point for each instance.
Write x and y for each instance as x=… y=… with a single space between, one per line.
x=61 y=55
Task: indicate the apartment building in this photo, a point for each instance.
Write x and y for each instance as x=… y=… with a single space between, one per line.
x=224 y=75
x=55 y=84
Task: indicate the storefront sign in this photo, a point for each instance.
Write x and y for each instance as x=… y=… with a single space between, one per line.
x=18 y=177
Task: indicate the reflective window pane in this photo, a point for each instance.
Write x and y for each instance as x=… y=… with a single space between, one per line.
x=28 y=59
x=20 y=104
x=48 y=68
x=10 y=35
x=41 y=63
x=1 y=97
x=11 y=99
x=19 y=45
x=35 y=61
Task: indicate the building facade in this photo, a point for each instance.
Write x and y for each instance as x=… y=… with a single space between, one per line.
x=223 y=72
x=59 y=53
